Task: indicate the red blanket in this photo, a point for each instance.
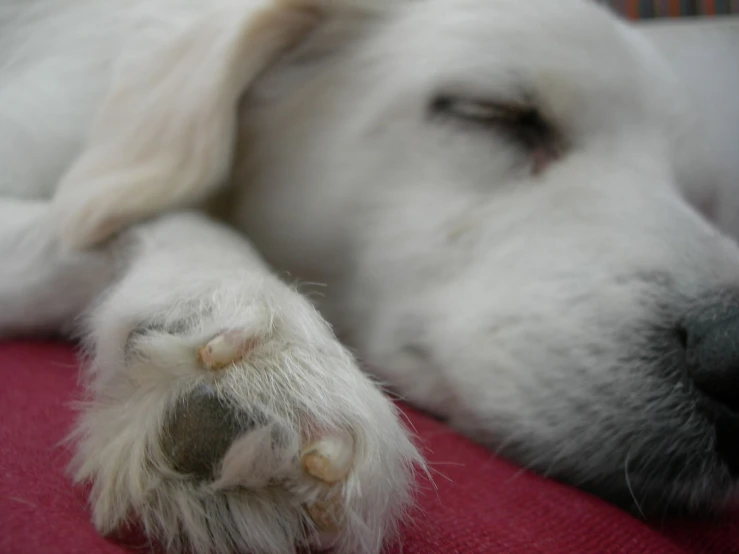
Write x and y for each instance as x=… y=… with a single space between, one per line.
x=478 y=503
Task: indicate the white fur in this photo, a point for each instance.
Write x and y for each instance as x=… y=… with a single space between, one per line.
x=189 y=273
x=507 y=298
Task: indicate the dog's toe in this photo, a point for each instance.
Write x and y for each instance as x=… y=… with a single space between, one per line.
x=227 y=348
x=329 y=458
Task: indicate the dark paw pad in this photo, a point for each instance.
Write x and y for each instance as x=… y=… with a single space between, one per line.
x=199 y=430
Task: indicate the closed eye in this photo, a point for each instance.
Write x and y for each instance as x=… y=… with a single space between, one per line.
x=522 y=124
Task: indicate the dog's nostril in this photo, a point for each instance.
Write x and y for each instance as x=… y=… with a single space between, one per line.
x=712 y=355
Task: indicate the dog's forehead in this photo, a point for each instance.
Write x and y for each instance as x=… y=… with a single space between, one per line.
x=496 y=40
x=579 y=62
x=565 y=18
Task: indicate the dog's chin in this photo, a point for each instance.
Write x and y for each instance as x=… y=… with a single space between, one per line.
x=671 y=472
x=654 y=488
x=668 y=476
x=654 y=498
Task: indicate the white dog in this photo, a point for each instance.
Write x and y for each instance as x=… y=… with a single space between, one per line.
x=491 y=191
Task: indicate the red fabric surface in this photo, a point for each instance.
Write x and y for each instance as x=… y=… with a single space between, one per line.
x=480 y=504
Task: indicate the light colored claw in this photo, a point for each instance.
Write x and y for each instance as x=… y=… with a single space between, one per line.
x=225 y=349
x=329 y=459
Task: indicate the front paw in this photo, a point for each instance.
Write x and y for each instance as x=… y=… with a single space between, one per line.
x=240 y=424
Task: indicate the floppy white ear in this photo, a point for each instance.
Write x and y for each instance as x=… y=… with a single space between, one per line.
x=165 y=132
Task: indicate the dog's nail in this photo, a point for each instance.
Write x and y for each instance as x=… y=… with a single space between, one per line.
x=225 y=349
x=329 y=459
x=328 y=516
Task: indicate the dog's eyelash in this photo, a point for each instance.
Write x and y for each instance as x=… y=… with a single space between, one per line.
x=523 y=123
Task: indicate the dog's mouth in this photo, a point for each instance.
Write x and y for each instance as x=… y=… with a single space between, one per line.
x=693 y=472
x=654 y=499
x=681 y=486
x=656 y=431
x=727 y=441
x=654 y=482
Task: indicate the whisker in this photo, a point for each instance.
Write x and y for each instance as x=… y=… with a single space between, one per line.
x=628 y=484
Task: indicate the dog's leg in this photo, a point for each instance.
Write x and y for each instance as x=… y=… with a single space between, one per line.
x=43 y=289
x=224 y=415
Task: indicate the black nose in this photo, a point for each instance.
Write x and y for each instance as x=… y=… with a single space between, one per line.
x=712 y=352
x=711 y=338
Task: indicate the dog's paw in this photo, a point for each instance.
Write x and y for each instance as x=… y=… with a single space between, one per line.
x=240 y=424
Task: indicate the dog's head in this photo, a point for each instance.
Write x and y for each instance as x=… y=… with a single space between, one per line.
x=492 y=191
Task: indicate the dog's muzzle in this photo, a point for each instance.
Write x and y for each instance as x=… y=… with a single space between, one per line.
x=711 y=340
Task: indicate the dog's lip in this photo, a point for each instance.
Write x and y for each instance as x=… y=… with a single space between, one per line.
x=725 y=422
x=727 y=439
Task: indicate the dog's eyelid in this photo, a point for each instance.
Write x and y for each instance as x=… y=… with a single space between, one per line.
x=482 y=110
x=507 y=116
x=519 y=119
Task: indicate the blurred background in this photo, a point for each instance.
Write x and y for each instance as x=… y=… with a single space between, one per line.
x=641 y=9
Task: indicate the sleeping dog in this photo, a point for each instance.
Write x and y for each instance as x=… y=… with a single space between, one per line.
x=504 y=204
